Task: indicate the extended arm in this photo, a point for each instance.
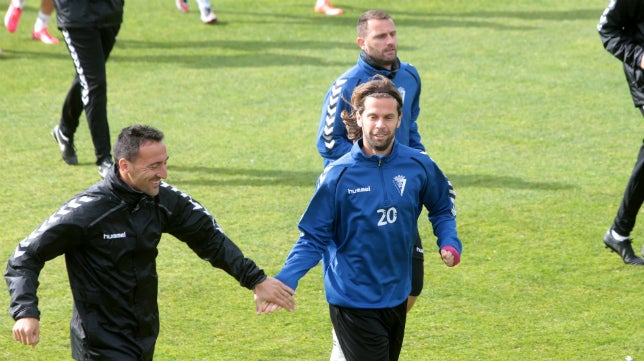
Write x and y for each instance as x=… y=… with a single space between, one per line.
x=196 y=226
x=316 y=234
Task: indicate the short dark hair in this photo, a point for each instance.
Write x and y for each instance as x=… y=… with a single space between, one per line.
x=130 y=139
x=361 y=27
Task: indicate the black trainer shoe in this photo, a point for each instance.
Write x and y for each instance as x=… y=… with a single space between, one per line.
x=106 y=166
x=66 y=146
x=623 y=248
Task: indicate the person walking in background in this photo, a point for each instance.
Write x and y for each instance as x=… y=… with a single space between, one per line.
x=325 y=7
x=207 y=15
x=621 y=29
x=40 y=32
x=378 y=40
x=109 y=235
x=364 y=215
x=89 y=29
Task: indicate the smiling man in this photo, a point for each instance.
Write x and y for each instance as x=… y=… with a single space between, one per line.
x=109 y=235
x=362 y=223
x=377 y=39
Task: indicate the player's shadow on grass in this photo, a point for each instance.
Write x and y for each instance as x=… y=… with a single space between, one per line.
x=491 y=181
x=217 y=176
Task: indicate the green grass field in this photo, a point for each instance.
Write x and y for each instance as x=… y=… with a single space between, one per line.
x=522 y=107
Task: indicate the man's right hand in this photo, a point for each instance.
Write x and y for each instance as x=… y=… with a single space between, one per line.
x=27 y=331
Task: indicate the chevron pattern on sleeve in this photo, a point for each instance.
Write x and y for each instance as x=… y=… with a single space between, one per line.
x=331 y=109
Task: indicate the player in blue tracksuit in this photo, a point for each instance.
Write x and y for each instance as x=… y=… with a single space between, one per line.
x=377 y=37
x=374 y=59
x=364 y=212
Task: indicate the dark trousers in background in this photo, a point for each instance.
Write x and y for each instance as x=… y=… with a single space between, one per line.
x=89 y=48
x=633 y=197
x=370 y=334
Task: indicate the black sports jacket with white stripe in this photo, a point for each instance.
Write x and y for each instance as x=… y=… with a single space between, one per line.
x=109 y=236
x=621 y=28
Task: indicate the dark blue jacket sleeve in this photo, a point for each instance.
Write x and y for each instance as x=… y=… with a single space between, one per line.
x=332 y=142
x=439 y=199
x=315 y=228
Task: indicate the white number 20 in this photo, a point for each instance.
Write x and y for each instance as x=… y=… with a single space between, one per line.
x=387 y=216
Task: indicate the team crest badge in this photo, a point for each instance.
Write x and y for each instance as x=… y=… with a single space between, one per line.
x=400 y=181
x=402 y=92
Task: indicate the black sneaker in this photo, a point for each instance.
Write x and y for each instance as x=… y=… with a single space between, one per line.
x=66 y=146
x=623 y=248
x=105 y=167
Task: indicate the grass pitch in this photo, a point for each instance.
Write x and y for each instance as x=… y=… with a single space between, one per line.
x=521 y=106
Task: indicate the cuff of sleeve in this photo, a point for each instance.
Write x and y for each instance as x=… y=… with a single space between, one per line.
x=452 y=250
x=287 y=279
x=259 y=280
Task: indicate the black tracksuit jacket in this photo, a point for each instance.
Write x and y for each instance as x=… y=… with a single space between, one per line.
x=109 y=236
x=621 y=28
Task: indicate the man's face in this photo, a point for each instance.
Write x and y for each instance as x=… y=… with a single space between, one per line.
x=380 y=42
x=148 y=168
x=379 y=122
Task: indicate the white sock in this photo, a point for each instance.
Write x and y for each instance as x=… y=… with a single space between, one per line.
x=41 y=22
x=320 y=2
x=336 y=353
x=19 y=3
x=204 y=7
x=618 y=236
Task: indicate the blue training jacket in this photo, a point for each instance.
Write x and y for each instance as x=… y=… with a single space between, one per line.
x=332 y=141
x=364 y=212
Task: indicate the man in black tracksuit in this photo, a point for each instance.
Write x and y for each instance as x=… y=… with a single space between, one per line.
x=89 y=29
x=109 y=236
x=621 y=28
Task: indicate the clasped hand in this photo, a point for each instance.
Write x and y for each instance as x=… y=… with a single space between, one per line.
x=272 y=295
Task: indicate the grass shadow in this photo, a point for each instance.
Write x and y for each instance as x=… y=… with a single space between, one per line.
x=491 y=181
x=218 y=176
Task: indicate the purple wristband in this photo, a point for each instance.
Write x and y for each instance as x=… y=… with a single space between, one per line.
x=452 y=250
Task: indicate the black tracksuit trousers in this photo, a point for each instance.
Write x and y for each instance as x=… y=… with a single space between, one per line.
x=633 y=197
x=89 y=48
